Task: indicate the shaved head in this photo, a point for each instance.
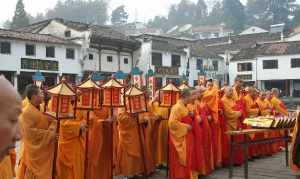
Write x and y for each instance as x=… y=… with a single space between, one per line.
x=228 y=91
x=10 y=109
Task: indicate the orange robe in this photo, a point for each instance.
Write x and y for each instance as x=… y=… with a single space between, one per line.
x=178 y=149
x=160 y=132
x=232 y=123
x=38 y=136
x=211 y=98
x=279 y=106
x=100 y=145
x=129 y=158
x=70 y=155
x=296 y=148
x=6 y=169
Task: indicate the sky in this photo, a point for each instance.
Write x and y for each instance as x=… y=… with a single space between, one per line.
x=143 y=10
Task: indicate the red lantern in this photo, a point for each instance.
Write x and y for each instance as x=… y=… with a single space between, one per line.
x=90 y=95
x=169 y=95
x=136 y=101
x=112 y=94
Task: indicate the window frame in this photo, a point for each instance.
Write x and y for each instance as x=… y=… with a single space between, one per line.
x=265 y=67
x=91 y=56
x=197 y=65
x=244 y=68
x=109 y=59
x=174 y=61
x=73 y=56
x=153 y=54
x=67 y=33
x=295 y=65
x=5 y=42
x=217 y=66
x=34 y=50
x=47 y=47
x=126 y=61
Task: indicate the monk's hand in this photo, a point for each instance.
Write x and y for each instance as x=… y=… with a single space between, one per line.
x=209 y=118
x=83 y=128
x=189 y=127
x=199 y=119
x=239 y=114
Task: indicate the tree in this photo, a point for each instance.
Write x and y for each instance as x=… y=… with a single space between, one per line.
x=159 y=22
x=216 y=16
x=7 y=24
x=201 y=12
x=119 y=16
x=183 y=13
x=256 y=12
x=20 y=18
x=279 y=10
x=92 y=11
x=234 y=14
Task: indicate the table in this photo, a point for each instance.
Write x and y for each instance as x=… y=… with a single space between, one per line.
x=246 y=142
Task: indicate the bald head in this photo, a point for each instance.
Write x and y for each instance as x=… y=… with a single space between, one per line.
x=10 y=109
x=275 y=92
x=228 y=91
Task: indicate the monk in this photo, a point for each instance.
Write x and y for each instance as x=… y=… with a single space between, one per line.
x=295 y=152
x=6 y=169
x=10 y=102
x=232 y=116
x=278 y=105
x=70 y=155
x=211 y=98
x=39 y=135
x=179 y=151
x=160 y=132
x=237 y=88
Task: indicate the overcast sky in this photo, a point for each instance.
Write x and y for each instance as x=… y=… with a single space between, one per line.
x=142 y=9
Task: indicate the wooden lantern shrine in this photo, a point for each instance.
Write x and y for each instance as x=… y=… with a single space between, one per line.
x=112 y=96
x=168 y=95
x=136 y=101
x=137 y=77
x=60 y=107
x=90 y=95
x=98 y=78
x=38 y=79
x=120 y=77
x=184 y=86
x=151 y=82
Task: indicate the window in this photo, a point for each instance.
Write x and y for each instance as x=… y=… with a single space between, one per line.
x=270 y=64
x=30 y=50
x=67 y=33
x=244 y=66
x=215 y=65
x=109 y=58
x=91 y=56
x=159 y=83
x=5 y=47
x=245 y=77
x=157 y=59
x=195 y=82
x=295 y=63
x=50 y=52
x=175 y=60
x=70 y=53
x=125 y=60
x=199 y=64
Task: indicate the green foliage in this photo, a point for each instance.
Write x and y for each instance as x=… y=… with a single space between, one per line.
x=119 y=16
x=20 y=18
x=159 y=22
x=216 y=16
x=234 y=14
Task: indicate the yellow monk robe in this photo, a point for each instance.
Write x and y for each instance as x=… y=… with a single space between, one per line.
x=129 y=158
x=100 y=160
x=179 y=167
x=232 y=122
x=211 y=98
x=161 y=132
x=6 y=169
x=236 y=93
x=279 y=106
x=70 y=155
x=38 y=136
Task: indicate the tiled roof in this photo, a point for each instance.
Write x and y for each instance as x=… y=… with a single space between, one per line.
x=199 y=50
x=215 y=28
x=34 y=37
x=268 y=49
x=166 y=46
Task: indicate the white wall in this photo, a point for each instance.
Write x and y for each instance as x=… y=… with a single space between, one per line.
x=253 y=30
x=12 y=62
x=295 y=37
x=233 y=70
x=283 y=72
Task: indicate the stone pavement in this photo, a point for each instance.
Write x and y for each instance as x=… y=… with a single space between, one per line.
x=264 y=168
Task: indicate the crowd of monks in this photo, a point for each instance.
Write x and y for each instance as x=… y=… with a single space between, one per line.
x=189 y=139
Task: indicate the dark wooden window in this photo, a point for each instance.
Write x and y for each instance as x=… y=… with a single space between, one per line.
x=270 y=64
x=245 y=77
x=159 y=82
x=38 y=64
x=50 y=52
x=125 y=60
x=91 y=56
x=30 y=50
x=5 y=47
x=109 y=58
x=295 y=63
x=199 y=64
x=70 y=53
x=67 y=33
x=244 y=66
x=215 y=65
x=176 y=61
x=156 y=59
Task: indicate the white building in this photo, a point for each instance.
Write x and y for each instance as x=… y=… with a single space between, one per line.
x=207 y=32
x=22 y=54
x=270 y=65
x=253 y=30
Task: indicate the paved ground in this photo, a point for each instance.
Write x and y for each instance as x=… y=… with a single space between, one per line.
x=264 y=168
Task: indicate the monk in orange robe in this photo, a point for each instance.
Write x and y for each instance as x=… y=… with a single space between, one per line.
x=211 y=98
x=278 y=105
x=232 y=116
x=6 y=168
x=129 y=158
x=39 y=135
x=70 y=155
x=295 y=152
x=237 y=88
x=100 y=145
x=160 y=131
